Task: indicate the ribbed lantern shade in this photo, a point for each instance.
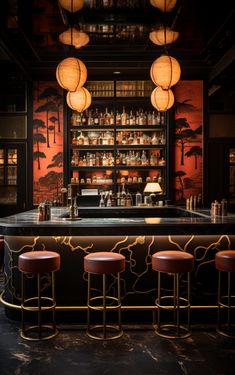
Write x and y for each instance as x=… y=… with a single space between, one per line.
x=165 y=71
x=160 y=4
x=161 y=99
x=74 y=37
x=71 y=73
x=72 y=5
x=163 y=36
x=79 y=100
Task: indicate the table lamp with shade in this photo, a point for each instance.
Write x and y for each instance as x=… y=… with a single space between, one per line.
x=152 y=188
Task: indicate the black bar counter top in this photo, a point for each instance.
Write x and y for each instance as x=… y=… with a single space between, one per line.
x=118 y=221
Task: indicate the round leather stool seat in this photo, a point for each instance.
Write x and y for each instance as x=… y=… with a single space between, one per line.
x=39 y=261
x=104 y=262
x=172 y=261
x=225 y=260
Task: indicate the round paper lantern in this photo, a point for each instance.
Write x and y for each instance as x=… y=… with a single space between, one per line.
x=163 y=36
x=72 y=5
x=79 y=100
x=164 y=5
x=161 y=99
x=74 y=37
x=165 y=71
x=71 y=73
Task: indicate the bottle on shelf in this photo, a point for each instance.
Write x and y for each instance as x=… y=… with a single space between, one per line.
x=138 y=198
x=102 y=203
x=129 y=202
x=123 y=196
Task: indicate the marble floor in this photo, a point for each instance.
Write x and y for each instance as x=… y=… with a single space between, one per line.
x=138 y=352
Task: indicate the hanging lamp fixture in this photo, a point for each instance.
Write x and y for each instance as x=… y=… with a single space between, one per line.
x=74 y=37
x=71 y=73
x=163 y=35
x=165 y=71
x=72 y=5
x=161 y=99
x=79 y=100
x=164 y=5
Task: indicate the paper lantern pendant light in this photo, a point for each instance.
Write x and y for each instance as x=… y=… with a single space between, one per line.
x=163 y=36
x=161 y=99
x=79 y=100
x=164 y=5
x=74 y=37
x=71 y=73
x=165 y=71
x=72 y=5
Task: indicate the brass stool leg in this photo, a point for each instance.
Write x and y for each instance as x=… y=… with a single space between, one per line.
x=119 y=302
x=53 y=300
x=22 y=303
x=104 y=306
x=188 y=298
x=224 y=324
x=39 y=307
x=176 y=281
x=88 y=301
x=159 y=301
x=229 y=301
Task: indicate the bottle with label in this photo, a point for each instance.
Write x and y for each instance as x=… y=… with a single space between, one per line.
x=123 y=117
x=128 y=199
x=123 y=196
x=102 y=204
x=138 y=198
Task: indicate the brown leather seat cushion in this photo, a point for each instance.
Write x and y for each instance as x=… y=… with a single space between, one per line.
x=39 y=261
x=172 y=261
x=225 y=260
x=104 y=263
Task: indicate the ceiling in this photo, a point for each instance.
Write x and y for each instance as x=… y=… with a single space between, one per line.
x=119 y=40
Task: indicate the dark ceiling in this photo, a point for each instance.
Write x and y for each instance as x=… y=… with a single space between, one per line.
x=119 y=40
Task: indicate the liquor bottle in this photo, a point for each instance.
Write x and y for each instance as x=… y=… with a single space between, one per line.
x=118 y=197
x=107 y=117
x=123 y=117
x=132 y=118
x=80 y=139
x=123 y=196
x=128 y=199
x=118 y=119
x=101 y=204
x=111 y=118
x=109 y=201
x=74 y=139
x=138 y=198
x=96 y=117
x=143 y=158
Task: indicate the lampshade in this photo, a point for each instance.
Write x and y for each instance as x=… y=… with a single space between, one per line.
x=72 y=5
x=152 y=187
x=160 y=4
x=79 y=100
x=74 y=37
x=163 y=36
x=161 y=99
x=71 y=73
x=165 y=71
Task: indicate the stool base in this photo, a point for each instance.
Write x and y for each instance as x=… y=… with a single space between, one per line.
x=226 y=307
x=174 y=304
x=30 y=332
x=104 y=331
x=38 y=304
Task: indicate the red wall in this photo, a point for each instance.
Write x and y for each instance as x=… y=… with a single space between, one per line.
x=48 y=141
x=188 y=140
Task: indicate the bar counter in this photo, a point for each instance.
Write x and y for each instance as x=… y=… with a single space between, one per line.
x=134 y=232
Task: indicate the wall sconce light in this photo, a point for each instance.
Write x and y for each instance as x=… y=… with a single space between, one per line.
x=71 y=73
x=79 y=100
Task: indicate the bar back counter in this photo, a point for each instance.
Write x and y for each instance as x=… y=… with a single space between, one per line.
x=136 y=233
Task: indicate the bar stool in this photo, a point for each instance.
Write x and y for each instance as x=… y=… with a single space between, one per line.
x=39 y=263
x=225 y=264
x=104 y=263
x=174 y=263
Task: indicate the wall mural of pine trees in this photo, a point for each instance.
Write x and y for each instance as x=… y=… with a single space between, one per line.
x=188 y=140
x=47 y=140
